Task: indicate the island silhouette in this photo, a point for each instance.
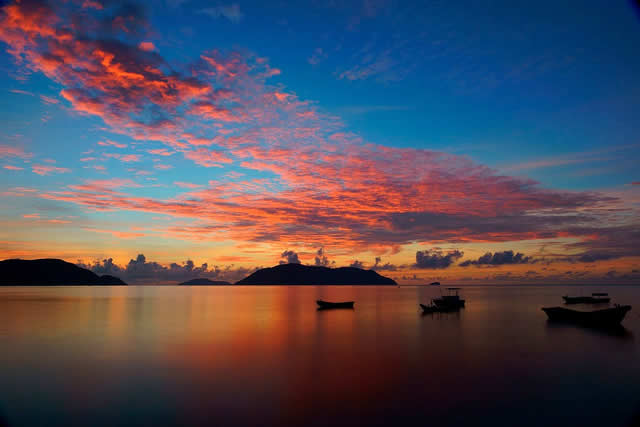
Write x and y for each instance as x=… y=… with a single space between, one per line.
x=50 y=272
x=56 y=272
x=299 y=274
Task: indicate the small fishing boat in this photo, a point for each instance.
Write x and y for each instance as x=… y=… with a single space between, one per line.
x=601 y=318
x=450 y=301
x=595 y=298
x=432 y=308
x=326 y=304
x=434 y=284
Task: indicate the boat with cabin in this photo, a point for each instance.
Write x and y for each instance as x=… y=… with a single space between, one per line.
x=595 y=298
x=450 y=301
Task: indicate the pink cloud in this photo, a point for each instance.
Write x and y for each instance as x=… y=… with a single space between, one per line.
x=104 y=185
x=13 y=151
x=147 y=46
x=207 y=158
x=112 y=143
x=161 y=152
x=324 y=186
x=49 y=100
x=187 y=185
x=13 y=168
x=160 y=166
x=21 y=92
x=91 y=4
x=47 y=170
x=127 y=158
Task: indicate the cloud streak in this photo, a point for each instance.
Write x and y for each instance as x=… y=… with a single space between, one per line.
x=139 y=270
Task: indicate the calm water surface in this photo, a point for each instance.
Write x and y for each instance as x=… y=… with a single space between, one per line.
x=138 y=356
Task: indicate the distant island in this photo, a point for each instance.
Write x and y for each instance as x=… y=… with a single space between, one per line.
x=298 y=274
x=203 y=282
x=49 y=272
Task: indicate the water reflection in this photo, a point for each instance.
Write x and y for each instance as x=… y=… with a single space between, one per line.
x=617 y=331
x=265 y=355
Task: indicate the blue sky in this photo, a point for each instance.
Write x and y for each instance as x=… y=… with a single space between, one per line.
x=542 y=91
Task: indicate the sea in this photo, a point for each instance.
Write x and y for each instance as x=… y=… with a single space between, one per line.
x=264 y=355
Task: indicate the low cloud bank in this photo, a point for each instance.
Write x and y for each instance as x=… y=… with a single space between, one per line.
x=141 y=271
x=499 y=258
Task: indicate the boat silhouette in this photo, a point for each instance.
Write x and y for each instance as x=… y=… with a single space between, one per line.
x=324 y=305
x=451 y=301
x=606 y=317
x=595 y=298
x=432 y=308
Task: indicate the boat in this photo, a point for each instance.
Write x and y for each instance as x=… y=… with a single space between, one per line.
x=432 y=308
x=326 y=304
x=450 y=301
x=605 y=317
x=434 y=284
x=595 y=298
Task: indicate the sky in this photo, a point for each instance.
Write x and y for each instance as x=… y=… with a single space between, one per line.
x=162 y=141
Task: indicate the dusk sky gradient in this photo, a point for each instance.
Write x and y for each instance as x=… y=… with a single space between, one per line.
x=491 y=143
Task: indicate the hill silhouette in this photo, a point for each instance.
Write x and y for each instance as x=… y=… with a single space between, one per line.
x=298 y=274
x=203 y=282
x=49 y=272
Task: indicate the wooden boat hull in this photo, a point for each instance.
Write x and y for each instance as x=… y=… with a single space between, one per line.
x=604 y=318
x=585 y=300
x=324 y=305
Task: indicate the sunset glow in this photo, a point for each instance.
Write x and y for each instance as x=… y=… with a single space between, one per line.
x=146 y=142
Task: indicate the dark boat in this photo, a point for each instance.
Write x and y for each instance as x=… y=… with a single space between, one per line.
x=451 y=301
x=606 y=317
x=326 y=304
x=434 y=284
x=595 y=298
x=432 y=308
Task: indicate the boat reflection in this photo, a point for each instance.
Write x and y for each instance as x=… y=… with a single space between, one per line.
x=615 y=331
